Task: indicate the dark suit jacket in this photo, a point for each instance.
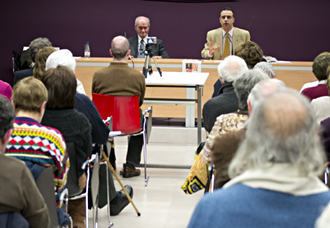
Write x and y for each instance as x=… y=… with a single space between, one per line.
x=157 y=49
x=22 y=74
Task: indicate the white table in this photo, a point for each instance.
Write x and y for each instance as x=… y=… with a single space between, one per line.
x=191 y=81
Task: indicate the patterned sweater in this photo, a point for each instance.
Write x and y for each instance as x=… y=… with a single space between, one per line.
x=42 y=145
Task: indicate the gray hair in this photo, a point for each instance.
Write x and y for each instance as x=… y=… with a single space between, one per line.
x=62 y=57
x=267 y=68
x=263 y=89
x=37 y=44
x=281 y=129
x=244 y=84
x=6 y=116
x=230 y=68
x=136 y=19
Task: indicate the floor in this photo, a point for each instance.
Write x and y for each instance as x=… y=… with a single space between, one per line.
x=162 y=203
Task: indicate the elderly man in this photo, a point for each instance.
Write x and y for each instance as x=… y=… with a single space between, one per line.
x=223 y=41
x=34 y=47
x=226 y=101
x=138 y=43
x=274 y=172
x=19 y=192
x=120 y=79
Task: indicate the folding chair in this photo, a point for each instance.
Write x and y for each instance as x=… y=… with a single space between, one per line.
x=73 y=181
x=125 y=113
x=45 y=184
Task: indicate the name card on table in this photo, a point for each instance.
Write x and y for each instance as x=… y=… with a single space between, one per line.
x=191 y=66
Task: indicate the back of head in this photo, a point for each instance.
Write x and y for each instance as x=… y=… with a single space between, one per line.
x=40 y=61
x=281 y=129
x=61 y=85
x=263 y=89
x=37 y=44
x=29 y=94
x=267 y=68
x=320 y=65
x=250 y=52
x=6 y=116
x=62 y=57
x=244 y=84
x=231 y=68
x=119 y=47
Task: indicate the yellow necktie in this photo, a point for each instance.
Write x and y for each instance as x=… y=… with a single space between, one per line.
x=226 y=50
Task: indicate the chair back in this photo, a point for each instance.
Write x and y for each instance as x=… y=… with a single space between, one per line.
x=125 y=111
x=72 y=183
x=45 y=183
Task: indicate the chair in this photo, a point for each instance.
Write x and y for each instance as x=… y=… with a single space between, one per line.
x=73 y=181
x=125 y=113
x=45 y=184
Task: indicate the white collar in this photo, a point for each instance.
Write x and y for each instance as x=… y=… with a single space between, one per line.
x=323 y=81
x=281 y=178
x=139 y=39
x=230 y=32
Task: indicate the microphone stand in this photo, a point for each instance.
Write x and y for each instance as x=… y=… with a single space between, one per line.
x=147 y=63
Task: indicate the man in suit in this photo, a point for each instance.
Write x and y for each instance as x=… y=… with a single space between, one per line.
x=218 y=46
x=142 y=26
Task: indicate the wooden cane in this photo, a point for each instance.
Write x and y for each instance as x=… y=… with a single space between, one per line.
x=121 y=184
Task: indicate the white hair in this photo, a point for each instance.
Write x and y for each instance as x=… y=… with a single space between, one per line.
x=62 y=57
x=281 y=129
x=267 y=68
x=230 y=68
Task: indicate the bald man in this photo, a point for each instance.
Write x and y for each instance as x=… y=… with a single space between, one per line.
x=120 y=79
x=142 y=26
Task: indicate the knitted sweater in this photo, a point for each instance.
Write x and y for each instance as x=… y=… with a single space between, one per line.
x=42 y=145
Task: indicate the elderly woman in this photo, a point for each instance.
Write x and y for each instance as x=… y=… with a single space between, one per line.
x=235 y=120
x=74 y=126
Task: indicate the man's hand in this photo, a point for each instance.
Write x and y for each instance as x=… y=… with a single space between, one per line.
x=158 y=57
x=212 y=49
x=130 y=57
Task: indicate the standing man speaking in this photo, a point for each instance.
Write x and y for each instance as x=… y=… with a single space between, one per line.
x=222 y=42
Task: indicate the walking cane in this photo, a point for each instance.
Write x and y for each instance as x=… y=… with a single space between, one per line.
x=121 y=184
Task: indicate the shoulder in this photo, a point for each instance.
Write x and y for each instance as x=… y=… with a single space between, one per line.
x=214 y=31
x=132 y=39
x=241 y=31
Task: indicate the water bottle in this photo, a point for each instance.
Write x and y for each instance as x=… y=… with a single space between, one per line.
x=87 y=52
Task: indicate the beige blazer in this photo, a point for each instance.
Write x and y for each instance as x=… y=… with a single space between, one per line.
x=239 y=36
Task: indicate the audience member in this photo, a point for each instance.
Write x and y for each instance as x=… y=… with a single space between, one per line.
x=226 y=101
x=321 y=104
x=228 y=37
x=225 y=145
x=32 y=142
x=65 y=58
x=137 y=44
x=250 y=52
x=276 y=168
x=5 y=89
x=318 y=88
x=234 y=121
x=267 y=68
x=19 y=192
x=34 y=47
x=40 y=61
x=120 y=79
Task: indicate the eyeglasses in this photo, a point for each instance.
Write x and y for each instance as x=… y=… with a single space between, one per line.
x=228 y=17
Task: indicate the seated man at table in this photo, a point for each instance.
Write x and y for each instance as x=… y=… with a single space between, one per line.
x=120 y=79
x=137 y=44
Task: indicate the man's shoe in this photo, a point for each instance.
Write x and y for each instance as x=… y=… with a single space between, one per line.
x=130 y=172
x=120 y=201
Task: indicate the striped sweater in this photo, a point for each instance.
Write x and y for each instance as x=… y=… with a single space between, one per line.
x=42 y=145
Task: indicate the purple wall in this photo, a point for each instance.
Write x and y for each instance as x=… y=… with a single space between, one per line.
x=284 y=29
